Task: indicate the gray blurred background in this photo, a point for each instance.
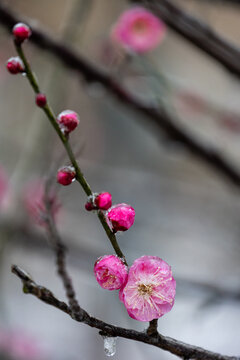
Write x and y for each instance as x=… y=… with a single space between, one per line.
x=185 y=212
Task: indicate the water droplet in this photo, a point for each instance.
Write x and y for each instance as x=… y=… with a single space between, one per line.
x=109 y=345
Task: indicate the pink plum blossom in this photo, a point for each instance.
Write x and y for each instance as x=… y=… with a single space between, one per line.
x=103 y=201
x=34 y=201
x=110 y=272
x=138 y=30
x=150 y=290
x=121 y=217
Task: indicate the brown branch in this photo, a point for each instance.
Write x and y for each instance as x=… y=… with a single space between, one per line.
x=165 y=343
x=159 y=117
x=60 y=251
x=197 y=33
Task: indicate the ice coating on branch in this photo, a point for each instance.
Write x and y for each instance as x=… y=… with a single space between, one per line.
x=21 y=32
x=138 y=30
x=109 y=344
x=150 y=290
x=66 y=175
x=110 y=272
x=68 y=120
x=103 y=201
x=15 y=65
x=121 y=217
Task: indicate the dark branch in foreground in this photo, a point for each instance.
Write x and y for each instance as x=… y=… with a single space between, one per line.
x=197 y=33
x=165 y=343
x=159 y=117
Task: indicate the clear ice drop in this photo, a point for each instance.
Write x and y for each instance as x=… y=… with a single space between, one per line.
x=109 y=345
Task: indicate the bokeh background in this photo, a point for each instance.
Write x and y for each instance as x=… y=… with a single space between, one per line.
x=185 y=212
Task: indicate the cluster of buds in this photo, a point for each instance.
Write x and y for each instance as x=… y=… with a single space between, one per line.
x=119 y=217
x=99 y=201
x=21 y=32
x=67 y=120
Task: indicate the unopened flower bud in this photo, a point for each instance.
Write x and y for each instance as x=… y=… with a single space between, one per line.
x=41 y=100
x=21 y=32
x=15 y=65
x=121 y=217
x=68 y=121
x=110 y=272
x=66 y=175
x=103 y=201
x=89 y=206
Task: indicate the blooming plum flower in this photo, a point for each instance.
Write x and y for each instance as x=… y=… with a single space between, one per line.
x=66 y=175
x=110 y=272
x=138 y=30
x=103 y=201
x=21 y=32
x=150 y=289
x=15 y=65
x=121 y=217
x=68 y=120
x=34 y=201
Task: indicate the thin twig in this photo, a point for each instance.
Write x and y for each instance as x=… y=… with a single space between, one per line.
x=65 y=141
x=162 y=120
x=175 y=347
x=60 y=251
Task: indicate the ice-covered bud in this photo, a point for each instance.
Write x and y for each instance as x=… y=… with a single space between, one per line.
x=150 y=289
x=21 y=32
x=110 y=271
x=68 y=121
x=66 y=175
x=41 y=100
x=103 y=201
x=121 y=217
x=138 y=30
x=15 y=65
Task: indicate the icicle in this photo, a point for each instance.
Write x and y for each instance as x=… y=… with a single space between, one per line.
x=109 y=345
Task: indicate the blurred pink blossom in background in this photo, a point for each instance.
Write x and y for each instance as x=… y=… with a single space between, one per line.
x=138 y=30
x=34 y=201
x=19 y=346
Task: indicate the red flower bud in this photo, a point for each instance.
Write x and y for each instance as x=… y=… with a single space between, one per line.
x=21 y=32
x=66 y=175
x=15 y=65
x=41 y=100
